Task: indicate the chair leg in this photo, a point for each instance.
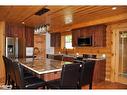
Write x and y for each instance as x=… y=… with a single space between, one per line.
x=9 y=81
x=6 y=80
x=90 y=85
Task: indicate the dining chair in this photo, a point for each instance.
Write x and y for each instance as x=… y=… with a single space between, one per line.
x=10 y=73
x=86 y=75
x=7 y=71
x=28 y=83
x=69 y=77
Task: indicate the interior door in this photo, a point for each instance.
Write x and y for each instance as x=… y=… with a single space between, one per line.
x=122 y=66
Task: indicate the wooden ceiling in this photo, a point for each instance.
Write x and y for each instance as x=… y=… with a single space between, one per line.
x=56 y=16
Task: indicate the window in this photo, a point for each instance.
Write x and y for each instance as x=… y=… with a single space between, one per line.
x=68 y=41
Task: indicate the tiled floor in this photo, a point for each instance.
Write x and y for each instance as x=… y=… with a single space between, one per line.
x=107 y=85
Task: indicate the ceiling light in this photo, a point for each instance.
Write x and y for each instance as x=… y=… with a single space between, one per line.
x=23 y=22
x=68 y=19
x=114 y=8
x=41 y=29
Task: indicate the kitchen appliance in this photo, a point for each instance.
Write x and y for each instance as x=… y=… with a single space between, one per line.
x=85 y=41
x=12 y=47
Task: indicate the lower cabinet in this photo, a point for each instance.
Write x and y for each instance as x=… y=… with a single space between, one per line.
x=99 y=71
x=51 y=76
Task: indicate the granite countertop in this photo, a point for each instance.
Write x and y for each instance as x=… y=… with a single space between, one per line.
x=75 y=56
x=94 y=59
x=42 y=66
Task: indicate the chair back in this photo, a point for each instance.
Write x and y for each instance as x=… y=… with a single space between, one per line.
x=70 y=76
x=9 y=68
x=12 y=71
x=7 y=65
x=87 y=71
x=19 y=75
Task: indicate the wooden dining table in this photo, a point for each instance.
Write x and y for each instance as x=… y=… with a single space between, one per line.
x=42 y=66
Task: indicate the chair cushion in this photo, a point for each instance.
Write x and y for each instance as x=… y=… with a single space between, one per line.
x=34 y=82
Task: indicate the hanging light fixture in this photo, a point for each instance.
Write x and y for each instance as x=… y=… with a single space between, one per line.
x=41 y=29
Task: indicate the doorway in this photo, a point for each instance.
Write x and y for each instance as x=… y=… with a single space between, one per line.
x=122 y=66
x=121 y=56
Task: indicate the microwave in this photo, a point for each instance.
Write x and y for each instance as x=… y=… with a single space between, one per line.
x=85 y=41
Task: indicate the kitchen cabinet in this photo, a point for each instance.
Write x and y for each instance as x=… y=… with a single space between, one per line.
x=99 y=36
x=55 y=40
x=97 y=32
x=75 y=36
x=51 y=76
x=29 y=36
x=13 y=30
x=99 y=71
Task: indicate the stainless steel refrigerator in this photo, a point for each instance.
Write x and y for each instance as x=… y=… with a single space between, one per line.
x=12 y=47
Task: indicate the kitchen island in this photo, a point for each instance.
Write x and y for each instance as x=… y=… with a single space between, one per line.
x=42 y=66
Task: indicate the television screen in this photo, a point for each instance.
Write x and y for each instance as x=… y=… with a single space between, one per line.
x=85 y=41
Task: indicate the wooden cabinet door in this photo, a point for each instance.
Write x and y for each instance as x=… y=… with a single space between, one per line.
x=55 y=40
x=52 y=40
x=9 y=28
x=29 y=36
x=75 y=36
x=99 y=71
x=100 y=36
x=58 y=40
x=13 y=30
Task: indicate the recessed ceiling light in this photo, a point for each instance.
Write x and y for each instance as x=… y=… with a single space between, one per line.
x=23 y=22
x=114 y=8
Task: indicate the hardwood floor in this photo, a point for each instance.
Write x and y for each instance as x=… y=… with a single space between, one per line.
x=107 y=85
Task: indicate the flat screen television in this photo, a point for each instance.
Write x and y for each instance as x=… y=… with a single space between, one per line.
x=85 y=41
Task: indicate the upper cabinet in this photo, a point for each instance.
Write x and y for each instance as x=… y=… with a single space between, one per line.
x=98 y=34
x=29 y=36
x=13 y=30
x=55 y=40
x=24 y=34
x=75 y=36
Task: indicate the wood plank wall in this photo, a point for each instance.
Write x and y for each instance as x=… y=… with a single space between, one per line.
x=2 y=45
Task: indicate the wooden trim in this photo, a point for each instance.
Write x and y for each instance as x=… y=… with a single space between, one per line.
x=2 y=50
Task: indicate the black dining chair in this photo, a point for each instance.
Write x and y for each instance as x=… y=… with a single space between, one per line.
x=7 y=70
x=86 y=75
x=69 y=78
x=28 y=83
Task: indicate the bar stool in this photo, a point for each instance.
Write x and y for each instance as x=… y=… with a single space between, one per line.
x=69 y=78
x=86 y=75
x=28 y=83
